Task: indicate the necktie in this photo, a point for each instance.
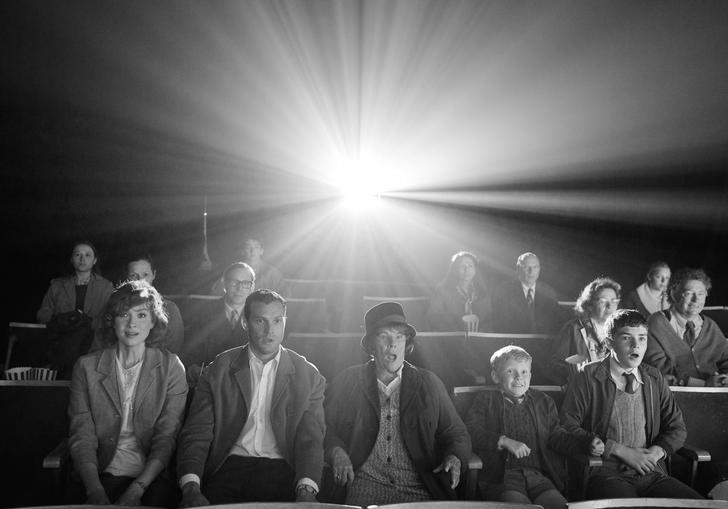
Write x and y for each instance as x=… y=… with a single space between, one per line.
x=689 y=335
x=234 y=318
x=629 y=387
x=529 y=303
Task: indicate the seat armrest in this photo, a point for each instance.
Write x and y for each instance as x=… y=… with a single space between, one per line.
x=694 y=453
x=594 y=461
x=470 y=486
x=474 y=462
x=57 y=457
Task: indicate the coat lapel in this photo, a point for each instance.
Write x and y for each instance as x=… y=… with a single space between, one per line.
x=106 y=368
x=369 y=384
x=410 y=386
x=92 y=294
x=648 y=396
x=69 y=286
x=241 y=372
x=285 y=372
x=147 y=376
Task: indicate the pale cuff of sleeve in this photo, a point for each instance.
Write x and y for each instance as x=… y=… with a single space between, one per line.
x=307 y=482
x=188 y=478
x=608 y=448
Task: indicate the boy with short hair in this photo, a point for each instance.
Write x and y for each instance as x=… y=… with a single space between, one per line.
x=510 y=429
x=623 y=410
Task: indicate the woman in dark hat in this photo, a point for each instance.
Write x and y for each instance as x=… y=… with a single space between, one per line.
x=391 y=427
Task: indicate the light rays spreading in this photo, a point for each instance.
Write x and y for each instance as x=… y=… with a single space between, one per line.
x=266 y=106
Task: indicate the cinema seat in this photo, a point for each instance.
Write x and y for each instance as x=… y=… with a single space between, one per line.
x=281 y=505
x=456 y=504
x=306 y=315
x=647 y=502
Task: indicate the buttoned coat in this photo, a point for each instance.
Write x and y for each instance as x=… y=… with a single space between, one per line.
x=61 y=298
x=221 y=405
x=95 y=406
x=430 y=427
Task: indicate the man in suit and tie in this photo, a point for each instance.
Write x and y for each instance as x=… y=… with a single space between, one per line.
x=220 y=325
x=526 y=306
x=255 y=428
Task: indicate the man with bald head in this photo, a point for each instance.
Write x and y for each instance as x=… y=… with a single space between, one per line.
x=524 y=305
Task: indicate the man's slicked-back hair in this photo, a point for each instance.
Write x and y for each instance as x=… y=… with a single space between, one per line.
x=264 y=296
x=521 y=260
x=503 y=355
x=624 y=318
x=237 y=265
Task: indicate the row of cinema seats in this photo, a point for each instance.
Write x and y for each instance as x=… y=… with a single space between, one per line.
x=453 y=504
x=34 y=422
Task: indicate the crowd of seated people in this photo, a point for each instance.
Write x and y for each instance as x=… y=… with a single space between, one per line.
x=387 y=430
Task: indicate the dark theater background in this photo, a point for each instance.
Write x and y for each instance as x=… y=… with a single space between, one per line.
x=594 y=134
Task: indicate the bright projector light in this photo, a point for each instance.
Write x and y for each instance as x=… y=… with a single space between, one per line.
x=357 y=183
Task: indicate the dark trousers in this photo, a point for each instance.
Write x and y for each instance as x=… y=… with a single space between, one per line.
x=246 y=479
x=611 y=483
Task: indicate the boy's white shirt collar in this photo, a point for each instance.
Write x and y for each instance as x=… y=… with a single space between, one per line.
x=616 y=370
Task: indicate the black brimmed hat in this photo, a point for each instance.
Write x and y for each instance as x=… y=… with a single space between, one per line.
x=382 y=315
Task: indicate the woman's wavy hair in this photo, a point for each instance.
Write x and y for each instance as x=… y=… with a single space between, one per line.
x=130 y=294
x=585 y=302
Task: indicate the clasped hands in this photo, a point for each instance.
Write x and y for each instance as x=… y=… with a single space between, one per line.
x=642 y=460
x=344 y=471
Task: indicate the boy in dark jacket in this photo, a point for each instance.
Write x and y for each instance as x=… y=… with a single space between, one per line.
x=623 y=411
x=510 y=429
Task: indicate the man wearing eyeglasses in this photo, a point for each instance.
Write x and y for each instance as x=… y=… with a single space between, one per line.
x=686 y=346
x=220 y=324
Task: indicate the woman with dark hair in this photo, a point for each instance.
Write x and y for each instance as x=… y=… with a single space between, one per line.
x=85 y=291
x=582 y=339
x=72 y=309
x=460 y=301
x=651 y=296
x=127 y=404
